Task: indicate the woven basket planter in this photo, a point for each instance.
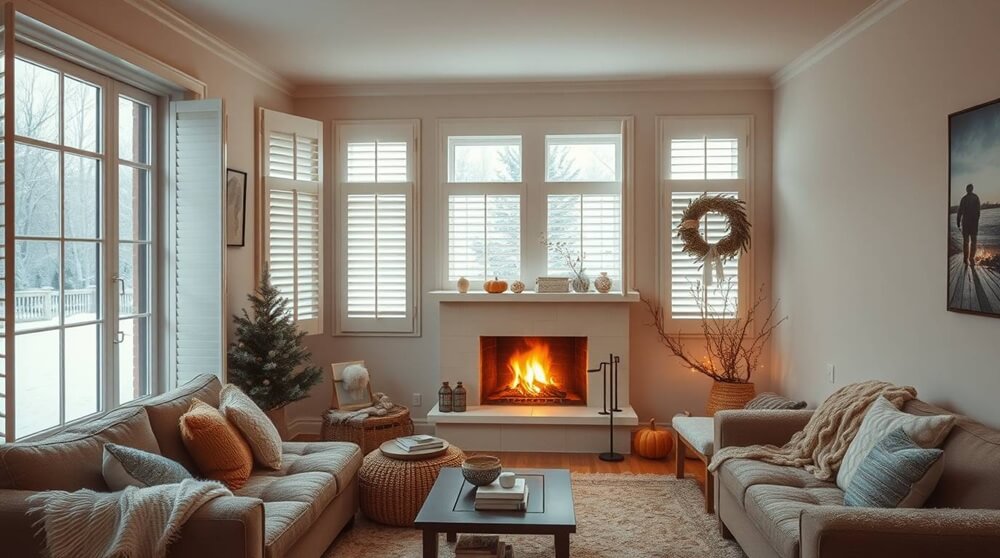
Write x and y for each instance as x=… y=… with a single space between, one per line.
x=370 y=434
x=393 y=491
x=726 y=395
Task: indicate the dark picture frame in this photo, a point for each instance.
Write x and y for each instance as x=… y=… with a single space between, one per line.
x=974 y=210
x=236 y=207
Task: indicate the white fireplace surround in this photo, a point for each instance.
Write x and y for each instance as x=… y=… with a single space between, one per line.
x=602 y=319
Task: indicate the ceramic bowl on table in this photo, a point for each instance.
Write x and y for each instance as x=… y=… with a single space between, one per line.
x=481 y=470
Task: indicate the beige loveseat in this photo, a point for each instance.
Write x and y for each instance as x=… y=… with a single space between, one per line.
x=294 y=512
x=775 y=511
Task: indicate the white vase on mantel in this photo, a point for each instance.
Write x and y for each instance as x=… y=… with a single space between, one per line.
x=580 y=283
x=462 y=285
x=603 y=283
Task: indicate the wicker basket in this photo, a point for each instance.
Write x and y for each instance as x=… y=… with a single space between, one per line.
x=726 y=395
x=372 y=432
x=393 y=491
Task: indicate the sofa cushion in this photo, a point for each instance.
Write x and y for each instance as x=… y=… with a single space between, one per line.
x=124 y=466
x=971 y=461
x=775 y=511
x=165 y=414
x=881 y=418
x=774 y=402
x=217 y=447
x=312 y=475
x=896 y=473
x=257 y=429
x=72 y=459
x=738 y=475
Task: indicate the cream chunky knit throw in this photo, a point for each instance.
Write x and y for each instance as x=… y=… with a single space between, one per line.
x=133 y=523
x=820 y=447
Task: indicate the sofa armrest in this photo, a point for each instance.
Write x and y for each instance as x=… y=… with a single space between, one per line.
x=843 y=532
x=17 y=530
x=748 y=428
x=225 y=527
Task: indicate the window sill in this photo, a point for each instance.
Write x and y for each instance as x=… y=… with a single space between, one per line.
x=531 y=296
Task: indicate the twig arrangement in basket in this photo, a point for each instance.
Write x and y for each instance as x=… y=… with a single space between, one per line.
x=733 y=343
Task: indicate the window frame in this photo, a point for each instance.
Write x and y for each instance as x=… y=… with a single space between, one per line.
x=684 y=127
x=387 y=130
x=108 y=237
x=534 y=188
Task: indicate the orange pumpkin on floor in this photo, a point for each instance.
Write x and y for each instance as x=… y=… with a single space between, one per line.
x=652 y=443
x=495 y=286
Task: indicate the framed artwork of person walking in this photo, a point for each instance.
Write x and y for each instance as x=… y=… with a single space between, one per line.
x=974 y=210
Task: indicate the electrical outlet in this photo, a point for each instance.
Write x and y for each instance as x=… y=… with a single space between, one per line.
x=415 y=400
x=831 y=373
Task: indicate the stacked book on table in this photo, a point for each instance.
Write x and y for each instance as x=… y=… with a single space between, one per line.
x=419 y=442
x=482 y=546
x=494 y=497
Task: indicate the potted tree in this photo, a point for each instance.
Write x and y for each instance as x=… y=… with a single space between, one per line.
x=734 y=342
x=267 y=352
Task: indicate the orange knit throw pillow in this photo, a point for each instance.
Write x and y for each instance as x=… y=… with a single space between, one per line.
x=215 y=445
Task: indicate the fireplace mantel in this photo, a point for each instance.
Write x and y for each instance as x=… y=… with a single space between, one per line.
x=532 y=296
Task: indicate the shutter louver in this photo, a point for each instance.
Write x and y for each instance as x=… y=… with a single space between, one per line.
x=686 y=273
x=589 y=224
x=484 y=236
x=293 y=238
x=704 y=159
x=197 y=264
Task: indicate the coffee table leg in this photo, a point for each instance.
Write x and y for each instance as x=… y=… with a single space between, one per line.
x=562 y=545
x=452 y=537
x=431 y=544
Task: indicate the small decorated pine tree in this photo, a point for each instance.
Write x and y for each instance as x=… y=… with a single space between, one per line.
x=268 y=350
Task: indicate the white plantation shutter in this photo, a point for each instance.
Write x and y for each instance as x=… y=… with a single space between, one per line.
x=699 y=156
x=376 y=188
x=686 y=274
x=589 y=224
x=484 y=236
x=196 y=232
x=293 y=232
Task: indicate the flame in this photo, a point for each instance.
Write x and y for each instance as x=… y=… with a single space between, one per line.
x=530 y=368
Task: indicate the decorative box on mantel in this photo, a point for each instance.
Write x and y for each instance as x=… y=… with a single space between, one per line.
x=525 y=366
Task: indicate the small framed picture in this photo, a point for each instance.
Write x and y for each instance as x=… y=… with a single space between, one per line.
x=236 y=207
x=346 y=399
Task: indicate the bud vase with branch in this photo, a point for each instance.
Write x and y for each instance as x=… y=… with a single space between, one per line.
x=734 y=342
x=580 y=281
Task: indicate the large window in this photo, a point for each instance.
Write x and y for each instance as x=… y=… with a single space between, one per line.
x=697 y=156
x=376 y=183
x=83 y=236
x=512 y=185
x=293 y=186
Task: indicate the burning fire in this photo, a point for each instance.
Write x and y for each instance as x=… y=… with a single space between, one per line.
x=530 y=369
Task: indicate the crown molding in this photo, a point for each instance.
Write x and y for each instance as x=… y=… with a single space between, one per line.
x=859 y=23
x=199 y=35
x=531 y=87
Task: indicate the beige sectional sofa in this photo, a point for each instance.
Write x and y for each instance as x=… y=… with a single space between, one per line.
x=775 y=511
x=294 y=512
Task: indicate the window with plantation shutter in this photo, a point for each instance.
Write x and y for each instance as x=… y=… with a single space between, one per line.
x=512 y=186
x=376 y=189
x=699 y=156
x=293 y=231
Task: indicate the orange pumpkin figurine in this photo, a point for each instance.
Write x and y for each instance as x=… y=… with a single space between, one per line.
x=653 y=443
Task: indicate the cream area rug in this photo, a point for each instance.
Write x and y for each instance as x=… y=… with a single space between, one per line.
x=617 y=515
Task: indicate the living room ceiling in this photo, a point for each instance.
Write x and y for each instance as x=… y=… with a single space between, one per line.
x=396 y=41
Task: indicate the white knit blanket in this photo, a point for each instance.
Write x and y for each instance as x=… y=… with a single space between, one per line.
x=133 y=523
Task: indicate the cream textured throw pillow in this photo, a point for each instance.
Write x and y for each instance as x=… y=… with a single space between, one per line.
x=257 y=429
x=882 y=418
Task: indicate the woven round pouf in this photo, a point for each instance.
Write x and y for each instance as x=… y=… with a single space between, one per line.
x=392 y=491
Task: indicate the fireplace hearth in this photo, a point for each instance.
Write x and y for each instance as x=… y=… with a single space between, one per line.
x=533 y=370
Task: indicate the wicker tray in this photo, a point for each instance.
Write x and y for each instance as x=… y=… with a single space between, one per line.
x=393 y=451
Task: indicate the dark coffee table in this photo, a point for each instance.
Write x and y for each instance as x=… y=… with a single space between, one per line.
x=450 y=508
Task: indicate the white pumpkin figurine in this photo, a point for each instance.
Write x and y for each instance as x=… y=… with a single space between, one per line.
x=517 y=287
x=463 y=285
x=603 y=283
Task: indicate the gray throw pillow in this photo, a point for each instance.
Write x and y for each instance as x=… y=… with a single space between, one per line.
x=896 y=473
x=124 y=466
x=772 y=401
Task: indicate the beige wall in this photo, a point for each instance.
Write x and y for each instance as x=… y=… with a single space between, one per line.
x=240 y=91
x=860 y=184
x=659 y=387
